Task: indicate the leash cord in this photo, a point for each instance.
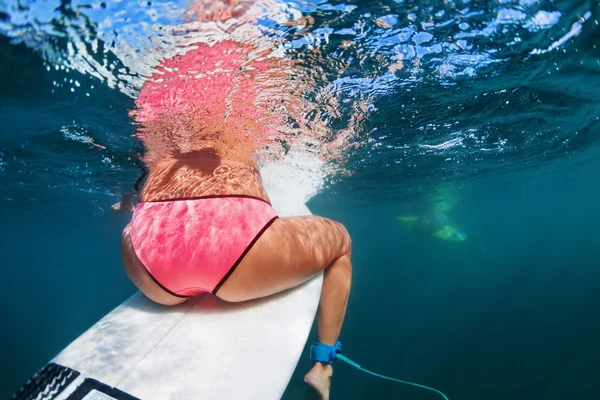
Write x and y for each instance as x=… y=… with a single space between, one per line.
x=355 y=365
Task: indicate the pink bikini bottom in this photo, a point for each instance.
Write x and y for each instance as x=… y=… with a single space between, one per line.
x=191 y=246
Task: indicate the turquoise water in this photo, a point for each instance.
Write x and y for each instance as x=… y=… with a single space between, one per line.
x=482 y=116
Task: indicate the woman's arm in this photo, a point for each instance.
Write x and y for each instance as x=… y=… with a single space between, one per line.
x=126 y=204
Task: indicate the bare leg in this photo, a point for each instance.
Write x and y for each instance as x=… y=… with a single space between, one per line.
x=332 y=309
x=289 y=253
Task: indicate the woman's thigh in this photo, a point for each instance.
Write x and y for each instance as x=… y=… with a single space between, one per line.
x=289 y=252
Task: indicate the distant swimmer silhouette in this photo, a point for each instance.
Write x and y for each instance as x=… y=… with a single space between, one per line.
x=434 y=223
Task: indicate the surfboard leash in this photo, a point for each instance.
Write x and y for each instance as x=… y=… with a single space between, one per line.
x=355 y=365
x=329 y=354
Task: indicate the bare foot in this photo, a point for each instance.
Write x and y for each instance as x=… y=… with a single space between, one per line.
x=319 y=378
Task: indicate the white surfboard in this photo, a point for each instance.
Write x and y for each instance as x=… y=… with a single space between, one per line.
x=204 y=348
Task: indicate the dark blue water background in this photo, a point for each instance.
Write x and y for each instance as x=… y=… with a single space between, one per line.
x=509 y=148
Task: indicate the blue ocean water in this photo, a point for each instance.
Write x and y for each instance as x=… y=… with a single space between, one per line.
x=480 y=116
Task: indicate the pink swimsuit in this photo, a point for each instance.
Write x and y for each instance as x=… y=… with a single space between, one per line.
x=191 y=246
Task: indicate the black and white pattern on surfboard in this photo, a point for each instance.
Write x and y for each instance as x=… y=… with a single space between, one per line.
x=91 y=389
x=47 y=383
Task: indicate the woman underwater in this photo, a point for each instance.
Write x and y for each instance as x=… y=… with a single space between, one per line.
x=204 y=222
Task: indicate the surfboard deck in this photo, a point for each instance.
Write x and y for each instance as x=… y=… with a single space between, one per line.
x=204 y=348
